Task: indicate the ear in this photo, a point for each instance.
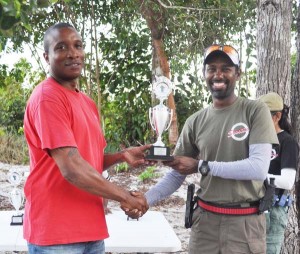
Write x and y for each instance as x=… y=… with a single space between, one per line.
x=46 y=56
x=238 y=73
x=278 y=115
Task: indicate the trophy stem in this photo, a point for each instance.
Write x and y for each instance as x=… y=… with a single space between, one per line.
x=159 y=142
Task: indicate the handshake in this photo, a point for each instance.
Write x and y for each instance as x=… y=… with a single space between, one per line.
x=135 y=205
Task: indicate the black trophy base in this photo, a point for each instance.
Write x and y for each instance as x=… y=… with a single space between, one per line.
x=159 y=153
x=16 y=220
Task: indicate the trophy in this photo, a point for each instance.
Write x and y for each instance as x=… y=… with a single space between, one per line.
x=16 y=197
x=160 y=118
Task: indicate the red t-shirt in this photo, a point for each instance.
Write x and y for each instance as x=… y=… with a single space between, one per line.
x=57 y=212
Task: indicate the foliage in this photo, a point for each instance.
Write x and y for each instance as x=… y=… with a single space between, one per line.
x=124 y=80
x=148 y=174
x=13 y=96
x=117 y=74
x=121 y=167
x=188 y=28
x=124 y=55
x=193 y=25
x=13 y=148
x=15 y=19
x=189 y=98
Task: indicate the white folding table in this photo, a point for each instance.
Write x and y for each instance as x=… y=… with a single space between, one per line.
x=150 y=234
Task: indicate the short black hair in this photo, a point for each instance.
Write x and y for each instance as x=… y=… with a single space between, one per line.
x=56 y=26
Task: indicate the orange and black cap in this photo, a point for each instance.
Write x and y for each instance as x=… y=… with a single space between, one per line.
x=226 y=50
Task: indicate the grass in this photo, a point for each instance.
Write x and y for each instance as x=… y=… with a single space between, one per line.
x=13 y=149
x=122 y=167
x=148 y=174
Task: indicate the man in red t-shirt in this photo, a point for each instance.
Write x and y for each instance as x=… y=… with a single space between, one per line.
x=65 y=189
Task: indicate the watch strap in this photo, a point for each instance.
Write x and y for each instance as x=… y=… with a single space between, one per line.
x=199 y=165
x=204 y=163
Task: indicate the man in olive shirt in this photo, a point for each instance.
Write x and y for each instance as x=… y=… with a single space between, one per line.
x=229 y=144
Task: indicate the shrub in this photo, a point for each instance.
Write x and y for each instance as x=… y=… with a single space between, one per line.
x=148 y=174
x=121 y=167
x=13 y=148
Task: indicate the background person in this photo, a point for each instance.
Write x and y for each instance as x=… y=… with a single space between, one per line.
x=229 y=144
x=283 y=168
x=65 y=189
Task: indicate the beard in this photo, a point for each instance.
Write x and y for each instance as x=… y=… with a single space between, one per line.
x=221 y=93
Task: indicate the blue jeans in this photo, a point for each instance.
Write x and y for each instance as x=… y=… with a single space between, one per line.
x=95 y=247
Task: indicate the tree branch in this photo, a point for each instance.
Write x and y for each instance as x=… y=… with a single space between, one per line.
x=186 y=8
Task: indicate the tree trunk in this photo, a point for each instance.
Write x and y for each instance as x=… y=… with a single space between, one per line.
x=291 y=235
x=273 y=47
x=160 y=65
x=274 y=74
x=97 y=72
x=295 y=113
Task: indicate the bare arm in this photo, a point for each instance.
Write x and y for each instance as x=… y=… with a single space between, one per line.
x=80 y=173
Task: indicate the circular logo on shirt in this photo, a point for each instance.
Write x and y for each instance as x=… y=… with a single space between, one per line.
x=239 y=131
x=273 y=154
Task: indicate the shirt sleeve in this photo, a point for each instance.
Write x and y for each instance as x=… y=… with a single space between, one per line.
x=289 y=153
x=253 y=168
x=262 y=128
x=53 y=125
x=165 y=187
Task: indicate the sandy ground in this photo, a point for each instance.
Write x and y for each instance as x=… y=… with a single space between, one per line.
x=173 y=207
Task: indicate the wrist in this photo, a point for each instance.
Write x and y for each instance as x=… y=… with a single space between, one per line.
x=196 y=166
x=203 y=167
x=106 y=175
x=119 y=157
x=199 y=165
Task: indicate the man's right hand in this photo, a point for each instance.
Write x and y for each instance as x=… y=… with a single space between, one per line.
x=183 y=164
x=135 y=205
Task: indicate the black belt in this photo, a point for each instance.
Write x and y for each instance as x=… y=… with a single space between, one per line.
x=241 y=205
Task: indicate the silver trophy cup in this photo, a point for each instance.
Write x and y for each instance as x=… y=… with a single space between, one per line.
x=16 y=198
x=160 y=118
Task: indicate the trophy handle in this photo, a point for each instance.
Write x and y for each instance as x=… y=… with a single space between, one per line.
x=171 y=116
x=150 y=118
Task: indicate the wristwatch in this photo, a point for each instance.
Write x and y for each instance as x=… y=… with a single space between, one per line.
x=106 y=175
x=204 y=168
